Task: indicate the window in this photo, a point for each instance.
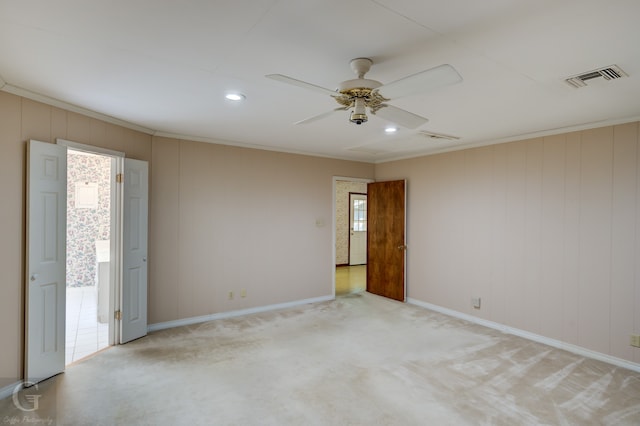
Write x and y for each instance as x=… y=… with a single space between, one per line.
x=359 y=209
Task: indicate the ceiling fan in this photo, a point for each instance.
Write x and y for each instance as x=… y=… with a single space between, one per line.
x=361 y=93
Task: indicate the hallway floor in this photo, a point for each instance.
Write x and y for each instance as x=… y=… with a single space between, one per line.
x=351 y=279
x=84 y=334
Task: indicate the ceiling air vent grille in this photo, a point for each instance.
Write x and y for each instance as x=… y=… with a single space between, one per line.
x=432 y=135
x=612 y=72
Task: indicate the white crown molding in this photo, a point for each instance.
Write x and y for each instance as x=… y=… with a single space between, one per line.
x=457 y=146
x=578 y=350
x=14 y=90
x=253 y=146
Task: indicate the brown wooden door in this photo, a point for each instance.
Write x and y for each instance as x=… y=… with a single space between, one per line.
x=386 y=239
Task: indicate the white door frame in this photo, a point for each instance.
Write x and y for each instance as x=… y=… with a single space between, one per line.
x=117 y=159
x=333 y=224
x=131 y=321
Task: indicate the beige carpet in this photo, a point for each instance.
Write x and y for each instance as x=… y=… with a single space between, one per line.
x=359 y=360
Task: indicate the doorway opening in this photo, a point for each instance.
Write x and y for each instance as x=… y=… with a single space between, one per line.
x=350 y=235
x=90 y=229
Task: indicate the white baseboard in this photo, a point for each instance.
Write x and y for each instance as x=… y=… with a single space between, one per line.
x=232 y=314
x=8 y=390
x=578 y=350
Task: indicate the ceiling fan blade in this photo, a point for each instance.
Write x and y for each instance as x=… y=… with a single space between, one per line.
x=294 y=82
x=401 y=117
x=440 y=76
x=320 y=116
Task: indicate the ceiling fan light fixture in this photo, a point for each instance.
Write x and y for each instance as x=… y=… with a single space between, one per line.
x=362 y=94
x=359 y=113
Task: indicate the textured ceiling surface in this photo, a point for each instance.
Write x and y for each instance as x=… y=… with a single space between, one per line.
x=165 y=66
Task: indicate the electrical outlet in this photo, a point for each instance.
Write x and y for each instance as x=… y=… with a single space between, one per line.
x=243 y=293
x=475 y=302
x=230 y=295
x=635 y=340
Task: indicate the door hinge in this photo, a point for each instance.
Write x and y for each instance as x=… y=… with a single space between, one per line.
x=118 y=315
x=119 y=178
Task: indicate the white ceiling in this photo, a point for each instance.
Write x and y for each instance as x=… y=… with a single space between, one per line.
x=165 y=66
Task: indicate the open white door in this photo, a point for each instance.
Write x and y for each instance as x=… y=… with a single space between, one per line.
x=45 y=261
x=133 y=322
x=358 y=229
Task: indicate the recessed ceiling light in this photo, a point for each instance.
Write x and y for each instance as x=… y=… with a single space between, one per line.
x=234 y=96
x=390 y=129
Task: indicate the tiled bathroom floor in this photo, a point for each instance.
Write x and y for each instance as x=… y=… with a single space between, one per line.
x=84 y=334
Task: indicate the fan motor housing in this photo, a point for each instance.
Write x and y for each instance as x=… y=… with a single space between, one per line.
x=358 y=83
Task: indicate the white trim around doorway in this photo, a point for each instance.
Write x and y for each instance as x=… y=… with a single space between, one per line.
x=333 y=224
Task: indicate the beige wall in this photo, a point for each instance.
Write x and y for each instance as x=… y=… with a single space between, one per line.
x=20 y=120
x=546 y=231
x=224 y=219
x=221 y=219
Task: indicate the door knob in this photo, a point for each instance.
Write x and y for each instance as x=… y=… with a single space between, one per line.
x=402 y=247
x=34 y=277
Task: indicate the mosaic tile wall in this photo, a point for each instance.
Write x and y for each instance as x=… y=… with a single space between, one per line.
x=88 y=210
x=343 y=188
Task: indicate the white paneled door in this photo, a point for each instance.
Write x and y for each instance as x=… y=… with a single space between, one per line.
x=134 y=245
x=46 y=257
x=358 y=229
x=45 y=261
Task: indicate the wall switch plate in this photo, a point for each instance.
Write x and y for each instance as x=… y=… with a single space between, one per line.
x=475 y=302
x=230 y=295
x=635 y=340
x=243 y=293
